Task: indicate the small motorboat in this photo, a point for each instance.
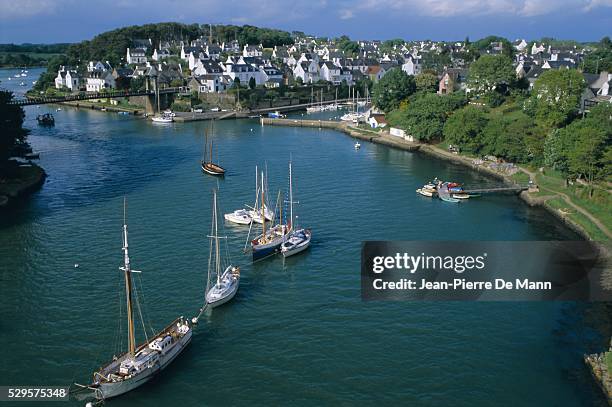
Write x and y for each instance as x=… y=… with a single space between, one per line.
x=45 y=119
x=426 y=192
x=357 y=146
x=162 y=119
x=240 y=216
x=298 y=241
x=461 y=196
x=59 y=109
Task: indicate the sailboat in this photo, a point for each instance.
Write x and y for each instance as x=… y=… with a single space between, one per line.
x=260 y=208
x=209 y=166
x=270 y=240
x=297 y=240
x=140 y=363
x=225 y=286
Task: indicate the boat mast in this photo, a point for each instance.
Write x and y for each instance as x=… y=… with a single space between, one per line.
x=128 y=284
x=216 y=239
x=263 y=213
x=290 y=198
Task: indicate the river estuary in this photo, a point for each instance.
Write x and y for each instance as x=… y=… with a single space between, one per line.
x=297 y=332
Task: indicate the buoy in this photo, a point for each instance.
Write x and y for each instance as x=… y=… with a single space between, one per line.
x=76 y=265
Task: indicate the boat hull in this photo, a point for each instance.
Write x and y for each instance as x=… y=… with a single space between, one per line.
x=114 y=389
x=212 y=169
x=240 y=219
x=227 y=295
x=297 y=248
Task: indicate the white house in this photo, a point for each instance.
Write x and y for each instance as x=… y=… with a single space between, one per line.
x=308 y=71
x=252 y=50
x=68 y=78
x=244 y=72
x=520 y=45
x=208 y=84
x=411 y=66
x=194 y=57
x=98 y=80
x=98 y=66
x=158 y=55
x=330 y=72
x=136 y=56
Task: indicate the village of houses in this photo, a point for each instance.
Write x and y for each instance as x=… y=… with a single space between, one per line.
x=208 y=67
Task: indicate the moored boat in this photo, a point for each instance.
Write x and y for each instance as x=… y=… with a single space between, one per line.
x=225 y=285
x=297 y=240
x=45 y=119
x=140 y=363
x=209 y=166
x=162 y=119
x=239 y=216
x=426 y=192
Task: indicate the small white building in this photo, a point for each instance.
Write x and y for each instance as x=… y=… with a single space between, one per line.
x=136 y=56
x=67 y=78
x=99 y=80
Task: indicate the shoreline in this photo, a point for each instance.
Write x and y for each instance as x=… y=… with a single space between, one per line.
x=30 y=179
x=396 y=142
x=596 y=363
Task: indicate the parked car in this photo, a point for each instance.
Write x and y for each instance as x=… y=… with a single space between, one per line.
x=214 y=109
x=198 y=110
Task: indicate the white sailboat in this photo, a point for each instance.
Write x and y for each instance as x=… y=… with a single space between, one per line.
x=225 y=285
x=140 y=363
x=260 y=210
x=298 y=239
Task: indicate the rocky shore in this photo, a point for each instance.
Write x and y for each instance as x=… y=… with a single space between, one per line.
x=26 y=179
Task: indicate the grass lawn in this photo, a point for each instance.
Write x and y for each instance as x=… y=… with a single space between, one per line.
x=592 y=229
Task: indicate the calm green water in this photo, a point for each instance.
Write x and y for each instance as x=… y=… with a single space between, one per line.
x=296 y=332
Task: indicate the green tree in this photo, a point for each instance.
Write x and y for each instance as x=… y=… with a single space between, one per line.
x=555 y=96
x=392 y=88
x=425 y=115
x=515 y=138
x=464 y=128
x=252 y=83
x=586 y=159
x=13 y=137
x=491 y=73
x=426 y=82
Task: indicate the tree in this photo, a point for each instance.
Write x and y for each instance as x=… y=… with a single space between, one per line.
x=514 y=137
x=555 y=96
x=425 y=115
x=464 y=128
x=252 y=83
x=586 y=158
x=13 y=137
x=426 y=82
x=567 y=149
x=491 y=73
x=600 y=59
x=392 y=88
